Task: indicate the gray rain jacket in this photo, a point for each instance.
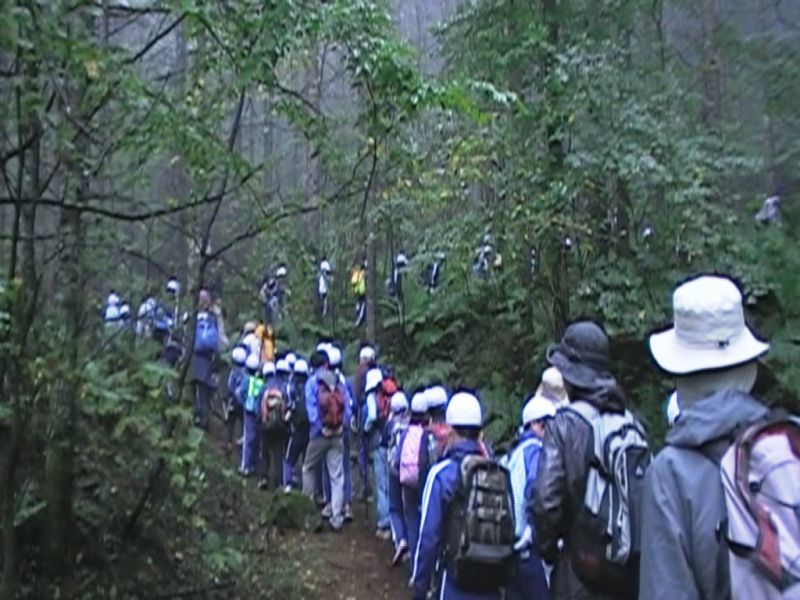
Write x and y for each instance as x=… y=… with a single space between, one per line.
x=684 y=503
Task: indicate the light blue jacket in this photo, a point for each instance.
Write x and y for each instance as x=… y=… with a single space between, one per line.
x=522 y=463
x=440 y=488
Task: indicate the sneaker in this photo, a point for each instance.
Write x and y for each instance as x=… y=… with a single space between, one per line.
x=287 y=489
x=400 y=552
x=336 y=525
x=383 y=534
x=263 y=484
x=327 y=512
x=245 y=472
x=348 y=512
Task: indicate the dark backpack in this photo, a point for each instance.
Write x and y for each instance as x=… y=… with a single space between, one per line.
x=479 y=543
x=298 y=400
x=330 y=400
x=206 y=336
x=605 y=541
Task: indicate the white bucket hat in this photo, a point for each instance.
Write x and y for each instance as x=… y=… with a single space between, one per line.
x=709 y=330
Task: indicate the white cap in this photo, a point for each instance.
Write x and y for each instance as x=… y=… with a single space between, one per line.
x=537 y=408
x=401 y=259
x=281 y=272
x=366 y=353
x=252 y=362
x=436 y=396
x=113 y=299
x=374 y=379
x=282 y=366
x=325 y=266
x=173 y=287
x=673 y=409
x=323 y=347
x=399 y=402
x=125 y=310
x=334 y=356
x=301 y=366
x=268 y=368
x=239 y=355
x=464 y=410
x=419 y=402
x=291 y=359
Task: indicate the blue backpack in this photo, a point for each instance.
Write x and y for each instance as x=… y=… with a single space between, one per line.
x=206 y=335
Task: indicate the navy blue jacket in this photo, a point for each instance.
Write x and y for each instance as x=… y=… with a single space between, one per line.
x=440 y=487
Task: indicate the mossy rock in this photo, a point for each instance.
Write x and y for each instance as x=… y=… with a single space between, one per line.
x=290 y=511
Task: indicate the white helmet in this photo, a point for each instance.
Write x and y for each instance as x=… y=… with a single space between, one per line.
x=323 y=347
x=464 y=410
x=282 y=366
x=239 y=355
x=281 y=271
x=537 y=408
x=401 y=260
x=367 y=353
x=399 y=402
x=125 y=310
x=437 y=397
x=291 y=359
x=301 y=366
x=173 y=287
x=252 y=362
x=334 y=356
x=419 y=402
x=374 y=379
x=325 y=266
x=113 y=299
x=268 y=368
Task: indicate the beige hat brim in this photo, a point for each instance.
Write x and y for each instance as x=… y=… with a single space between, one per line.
x=681 y=359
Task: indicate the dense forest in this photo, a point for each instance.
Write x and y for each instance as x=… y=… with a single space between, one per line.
x=604 y=150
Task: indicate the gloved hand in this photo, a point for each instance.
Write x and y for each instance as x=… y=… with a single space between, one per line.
x=525 y=540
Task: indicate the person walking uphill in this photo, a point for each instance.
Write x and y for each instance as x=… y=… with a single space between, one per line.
x=467 y=522
x=529 y=582
x=718 y=471
x=328 y=414
x=209 y=339
x=591 y=471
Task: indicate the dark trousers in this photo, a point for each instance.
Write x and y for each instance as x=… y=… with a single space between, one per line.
x=529 y=582
x=202 y=404
x=295 y=449
x=236 y=415
x=273 y=446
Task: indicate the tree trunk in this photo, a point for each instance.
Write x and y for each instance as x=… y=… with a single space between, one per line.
x=372 y=285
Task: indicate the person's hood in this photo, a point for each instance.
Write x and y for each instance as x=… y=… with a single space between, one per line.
x=607 y=398
x=462 y=448
x=714 y=417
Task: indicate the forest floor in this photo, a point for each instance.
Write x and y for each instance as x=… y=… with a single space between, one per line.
x=301 y=563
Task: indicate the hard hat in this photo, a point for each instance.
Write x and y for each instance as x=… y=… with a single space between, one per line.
x=125 y=310
x=374 y=379
x=419 y=402
x=113 y=299
x=673 y=409
x=537 y=408
x=325 y=266
x=281 y=272
x=436 y=396
x=239 y=355
x=252 y=362
x=301 y=367
x=323 y=347
x=399 y=402
x=173 y=287
x=464 y=410
x=291 y=359
x=367 y=353
x=401 y=259
x=282 y=366
x=268 y=368
x=334 y=356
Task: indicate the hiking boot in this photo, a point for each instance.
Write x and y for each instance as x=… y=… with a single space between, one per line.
x=327 y=512
x=263 y=485
x=400 y=552
x=348 y=512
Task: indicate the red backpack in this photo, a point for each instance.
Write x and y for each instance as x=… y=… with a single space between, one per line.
x=330 y=400
x=383 y=396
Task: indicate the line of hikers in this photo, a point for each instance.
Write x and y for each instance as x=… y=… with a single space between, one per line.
x=579 y=507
